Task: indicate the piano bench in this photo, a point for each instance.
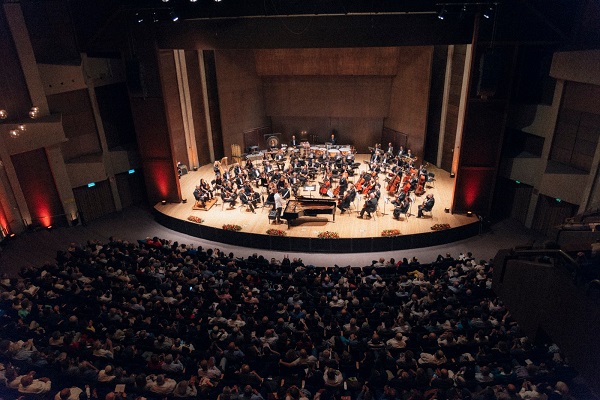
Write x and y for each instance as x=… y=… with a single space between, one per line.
x=272 y=216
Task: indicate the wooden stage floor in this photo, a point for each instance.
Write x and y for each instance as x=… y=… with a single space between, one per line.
x=346 y=225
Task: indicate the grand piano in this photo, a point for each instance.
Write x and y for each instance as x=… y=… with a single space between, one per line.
x=308 y=207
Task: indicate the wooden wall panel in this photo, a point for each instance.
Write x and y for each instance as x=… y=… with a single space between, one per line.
x=241 y=101
x=474 y=189
x=38 y=186
x=78 y=122
x=409 y=99
x=197 y=101
x=94 y=202
x=578 y=128
x=360 y=132
x=327 y=62
x=456 y=83
x=154 y=146
x=351 y=97
x=168 y=76
x=483 y=134
x=14 y=96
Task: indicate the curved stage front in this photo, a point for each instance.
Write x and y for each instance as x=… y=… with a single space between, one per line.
x=356 y=235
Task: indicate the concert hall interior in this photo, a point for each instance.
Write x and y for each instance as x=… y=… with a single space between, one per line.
x=313 y=126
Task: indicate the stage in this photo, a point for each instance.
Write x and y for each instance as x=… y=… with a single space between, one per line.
x=355 y=235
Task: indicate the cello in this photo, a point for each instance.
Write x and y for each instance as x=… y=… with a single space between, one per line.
x=421 y=185
x=393 y=185
x=325 y=186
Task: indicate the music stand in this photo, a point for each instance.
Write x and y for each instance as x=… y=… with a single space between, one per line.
x=385 y=201
x=310 y=189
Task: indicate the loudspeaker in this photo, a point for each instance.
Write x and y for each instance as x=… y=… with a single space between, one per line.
x=490 y=66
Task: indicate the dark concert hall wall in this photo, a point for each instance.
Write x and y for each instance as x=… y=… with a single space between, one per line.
x=37 y=182
x=352 y=106
x=410 y=96
x=149 y=114
x=240 y=95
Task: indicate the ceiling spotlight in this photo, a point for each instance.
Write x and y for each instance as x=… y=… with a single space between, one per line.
x=165 y=1
x=14 y=133
x=488 y=13
x=3 y=114
x=22 y=127
x=154 y=17
x=217 y=1
x=174 y=17
x=139 y=18
x=193 y=1
x=442 y=14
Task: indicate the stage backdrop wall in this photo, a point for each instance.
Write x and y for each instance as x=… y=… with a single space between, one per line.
x=241 y=100
x=353 y=106
x=410 y=96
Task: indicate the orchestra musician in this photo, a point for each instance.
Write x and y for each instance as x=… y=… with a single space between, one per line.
x=369 y=207
x=228 y=195
x=401 y=152
x=246 y=199
x=401 y=208
x=206 y=188
x=285 y=191
x=294 y=142
x=200 y=197
x=332 y=140
x=268 y=168
x=278 y=200
x=295 y=182
x=427 y=205
x=217 y=182
x=390 y=149
x=375 y=157
x=237 y=169
x=342 y=184
x=239 y=181
x=399 y=198
x=348 y=197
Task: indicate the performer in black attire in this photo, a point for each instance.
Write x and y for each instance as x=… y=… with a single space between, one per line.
x=402 y=208
x=348 y=198
x=427 y=205
x=369 y=207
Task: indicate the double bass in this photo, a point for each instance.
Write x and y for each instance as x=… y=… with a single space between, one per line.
x=421 y=185
x=393 y=185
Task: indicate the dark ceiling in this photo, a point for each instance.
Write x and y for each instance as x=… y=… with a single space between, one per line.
x=105 y=26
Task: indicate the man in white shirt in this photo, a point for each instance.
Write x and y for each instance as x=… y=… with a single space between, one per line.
x=278 y=205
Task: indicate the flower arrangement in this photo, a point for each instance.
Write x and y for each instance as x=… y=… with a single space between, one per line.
x=275 y=232
x=232 y=227
x=328 y=235
x=390 y=232
x=195 y=219
x=440 y=227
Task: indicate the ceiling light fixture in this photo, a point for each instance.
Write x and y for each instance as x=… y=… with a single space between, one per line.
x=3 y=114
x=174 y=17
x=442 y=14
x=14 y=133
x=488 y=13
